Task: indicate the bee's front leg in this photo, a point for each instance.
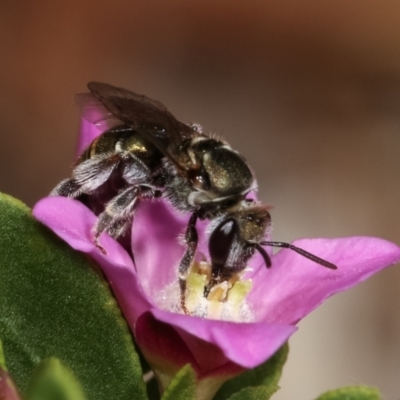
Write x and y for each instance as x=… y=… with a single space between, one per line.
x=117 y=215
x=191 y=240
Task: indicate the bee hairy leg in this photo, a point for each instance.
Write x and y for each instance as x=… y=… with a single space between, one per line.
x=116 y=216
x=87 y=176
x=93 y=172
x=182 y=288
x=191 y=240
x=135 y=171
x=67 y=188
x=217 y=277
x=115 y=229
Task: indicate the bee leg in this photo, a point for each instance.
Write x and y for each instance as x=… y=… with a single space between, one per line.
x=116 y=216
x=135 y=170
x=87 y=176
x=67 y=188
x=216 y=278
x=93 y=172
x=191 y=239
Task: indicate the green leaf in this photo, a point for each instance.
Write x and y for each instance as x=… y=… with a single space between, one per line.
x=52 y=381
x=182 y=386
x=52 y=304
x=352 y=393
x=253 y=393
x=266 y=375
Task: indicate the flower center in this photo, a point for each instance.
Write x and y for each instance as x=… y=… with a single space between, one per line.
x=225 y=300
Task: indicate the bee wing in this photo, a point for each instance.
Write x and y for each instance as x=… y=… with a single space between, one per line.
x=149 y=117
x=95 y=112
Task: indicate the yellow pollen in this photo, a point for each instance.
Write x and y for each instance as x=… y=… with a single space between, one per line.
x=225 y=300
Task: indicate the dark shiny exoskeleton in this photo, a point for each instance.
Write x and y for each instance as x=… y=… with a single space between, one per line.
x=148 y=154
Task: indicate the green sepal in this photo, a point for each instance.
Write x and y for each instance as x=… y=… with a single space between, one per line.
x=3 y=365
x=53 y=304
x=53 y=381
x=182 y=386
x=254 y=393
x=266 y=375
x=352 y=393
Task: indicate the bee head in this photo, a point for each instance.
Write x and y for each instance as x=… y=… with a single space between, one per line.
x=234 y=236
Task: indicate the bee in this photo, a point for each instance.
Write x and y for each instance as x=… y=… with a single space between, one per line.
x=149 y=154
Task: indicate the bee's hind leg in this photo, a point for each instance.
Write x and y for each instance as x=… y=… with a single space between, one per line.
x=67 y=188
x=88 y=176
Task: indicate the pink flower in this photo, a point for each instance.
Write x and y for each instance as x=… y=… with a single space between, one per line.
x=281 y=296
x=217 y=350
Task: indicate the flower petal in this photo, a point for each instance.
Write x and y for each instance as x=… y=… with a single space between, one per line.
x=88 y=132
x=95 y=120
x=8 y=391
x=73 y=222
x=295 y=285
x=156 y=246
x=214 y=343
x=167 y=353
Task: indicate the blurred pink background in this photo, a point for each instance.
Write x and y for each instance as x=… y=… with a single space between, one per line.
x=308 y=91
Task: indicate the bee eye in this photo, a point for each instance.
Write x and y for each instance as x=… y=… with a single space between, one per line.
x=221 y=240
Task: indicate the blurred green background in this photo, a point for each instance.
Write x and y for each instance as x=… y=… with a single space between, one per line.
x=307 y=90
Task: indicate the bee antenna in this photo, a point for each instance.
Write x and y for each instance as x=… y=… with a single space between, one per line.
x=264 y=254
x=302 y=252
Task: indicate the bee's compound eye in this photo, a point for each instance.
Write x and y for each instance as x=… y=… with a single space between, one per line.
x=221 y=241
